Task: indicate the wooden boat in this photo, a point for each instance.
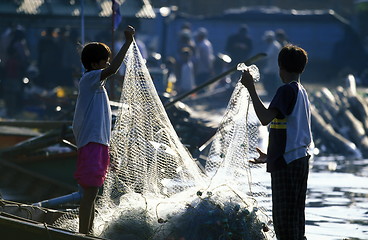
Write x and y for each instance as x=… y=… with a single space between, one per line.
x=20 y=184
x=31 y=172
x=21 y=221
x=10 y=135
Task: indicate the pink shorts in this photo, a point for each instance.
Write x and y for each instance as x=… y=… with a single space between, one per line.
x=93 y=161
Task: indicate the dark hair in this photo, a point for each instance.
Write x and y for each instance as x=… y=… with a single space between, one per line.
x=293 y=58
x=94 y=52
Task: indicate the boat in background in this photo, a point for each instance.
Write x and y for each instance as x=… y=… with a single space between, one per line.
x=40 y=167
x=10 y=135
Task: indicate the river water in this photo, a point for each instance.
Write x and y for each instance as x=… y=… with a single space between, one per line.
x=337 y=197
x=337 y=201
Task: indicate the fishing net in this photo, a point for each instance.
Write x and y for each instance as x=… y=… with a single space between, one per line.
x=155 y=190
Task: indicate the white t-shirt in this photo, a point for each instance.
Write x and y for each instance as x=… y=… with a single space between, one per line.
x=204 y=57
x=273 y=50
x=92 y=117
x=187 y=81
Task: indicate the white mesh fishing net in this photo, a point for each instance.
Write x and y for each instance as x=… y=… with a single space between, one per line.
x=155 y=190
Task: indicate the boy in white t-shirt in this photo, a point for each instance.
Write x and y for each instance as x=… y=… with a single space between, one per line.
x=92 y=123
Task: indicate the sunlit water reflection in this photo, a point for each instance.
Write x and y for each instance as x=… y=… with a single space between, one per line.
x=337 y=202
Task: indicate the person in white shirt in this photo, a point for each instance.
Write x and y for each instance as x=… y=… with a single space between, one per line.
x=92 y=123
x=185 y=76
x=204 y=57
x=270 y=71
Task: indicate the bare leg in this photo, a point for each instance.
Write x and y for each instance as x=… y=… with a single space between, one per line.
x=92 y=218
x=86 y=209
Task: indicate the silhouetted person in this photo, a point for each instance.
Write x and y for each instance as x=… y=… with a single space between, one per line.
x=15 y=66
x=70 y=66
x=185 y=40
x=270 y=71
x=185 y=77
x=239 y=45
x=287 y=158
x=204 y=57
x=49 y=59
x=281 y=37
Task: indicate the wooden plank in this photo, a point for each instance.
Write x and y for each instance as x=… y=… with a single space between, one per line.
x=13 y=227
x=41 y=124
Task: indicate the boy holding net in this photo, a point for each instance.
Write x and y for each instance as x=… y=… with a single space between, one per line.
x=92 y=123
x=290 y=135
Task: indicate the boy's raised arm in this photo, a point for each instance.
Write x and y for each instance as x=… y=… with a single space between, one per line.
x=118 y=59
x=265 y=115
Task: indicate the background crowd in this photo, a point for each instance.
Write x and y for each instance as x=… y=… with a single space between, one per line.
x=34 y=63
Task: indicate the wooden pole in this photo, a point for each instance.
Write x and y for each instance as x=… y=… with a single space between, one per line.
x=82 y=30
x=251 y=60
x=112 y=78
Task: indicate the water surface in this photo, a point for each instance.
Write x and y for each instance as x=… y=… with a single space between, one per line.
x=337 y=201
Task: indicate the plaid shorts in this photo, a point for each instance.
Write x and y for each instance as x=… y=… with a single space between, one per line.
x=289 y=187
